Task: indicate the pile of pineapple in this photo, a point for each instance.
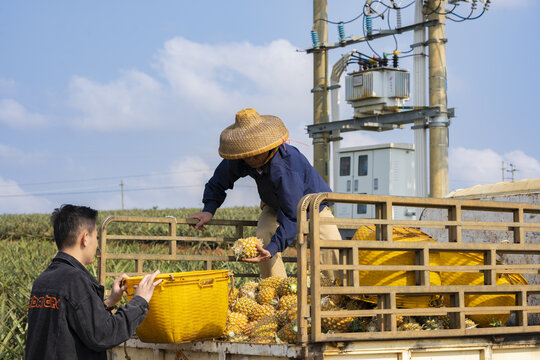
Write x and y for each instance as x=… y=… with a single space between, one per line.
x=266 y=311
x=263 y=312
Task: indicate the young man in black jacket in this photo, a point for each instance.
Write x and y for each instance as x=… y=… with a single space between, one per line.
x=67 y=316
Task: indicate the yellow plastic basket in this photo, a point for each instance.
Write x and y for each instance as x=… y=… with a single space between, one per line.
x=185 y=306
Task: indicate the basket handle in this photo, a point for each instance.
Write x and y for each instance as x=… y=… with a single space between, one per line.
x=122 y=283
x=206 y=283
x=231 y=280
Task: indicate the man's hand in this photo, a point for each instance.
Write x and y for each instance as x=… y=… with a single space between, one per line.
x=116 y=291
x=263 y=255
x=203 y=217
x=147 y=285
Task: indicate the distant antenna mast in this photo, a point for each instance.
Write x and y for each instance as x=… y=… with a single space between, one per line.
x=512 y=170
x=502 y=168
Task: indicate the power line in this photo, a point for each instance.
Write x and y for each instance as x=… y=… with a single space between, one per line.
x=105 y=178
x=168 y=187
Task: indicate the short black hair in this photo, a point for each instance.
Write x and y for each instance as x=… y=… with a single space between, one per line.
x=68 y=220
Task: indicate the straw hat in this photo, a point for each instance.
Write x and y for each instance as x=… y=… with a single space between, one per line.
x=251 y=134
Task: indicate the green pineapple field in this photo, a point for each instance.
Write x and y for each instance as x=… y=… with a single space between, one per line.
x=27 y=247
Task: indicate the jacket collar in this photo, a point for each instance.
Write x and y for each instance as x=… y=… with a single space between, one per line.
x=70 y=260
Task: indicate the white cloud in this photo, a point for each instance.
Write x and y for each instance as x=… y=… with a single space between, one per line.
x=15 y=115
x=14 y=200
x=202 y=83
x=470 y=167
x=221 y=79
x=17 y=156
x=133 y=101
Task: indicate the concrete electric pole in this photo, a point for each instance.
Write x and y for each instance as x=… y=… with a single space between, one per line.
x=438 y=126
x=321 y=148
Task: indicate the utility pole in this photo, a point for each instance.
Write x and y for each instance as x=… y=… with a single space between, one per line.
x=321 y=153
x=420 y=99
x=122 y=191
x=502 y=168
x=438 y=126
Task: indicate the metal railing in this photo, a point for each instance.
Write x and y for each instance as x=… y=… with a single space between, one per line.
x=518 y=237
x=176 y=245
x=518 y=228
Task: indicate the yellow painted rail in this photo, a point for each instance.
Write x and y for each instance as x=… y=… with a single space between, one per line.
x=518 y=228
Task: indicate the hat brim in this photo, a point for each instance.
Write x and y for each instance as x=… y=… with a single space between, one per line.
x=239 y=143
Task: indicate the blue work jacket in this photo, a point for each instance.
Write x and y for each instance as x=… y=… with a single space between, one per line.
x=281 y=183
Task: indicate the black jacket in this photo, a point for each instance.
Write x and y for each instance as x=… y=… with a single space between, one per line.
x=67 y=318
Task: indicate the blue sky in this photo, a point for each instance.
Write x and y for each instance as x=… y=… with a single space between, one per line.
x=95 y=93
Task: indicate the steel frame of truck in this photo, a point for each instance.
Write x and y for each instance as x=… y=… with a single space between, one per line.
x=520 y=341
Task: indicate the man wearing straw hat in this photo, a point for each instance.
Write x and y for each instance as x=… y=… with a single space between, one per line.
x=255 y=146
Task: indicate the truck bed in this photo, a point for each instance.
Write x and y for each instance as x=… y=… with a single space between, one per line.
x=514 y=347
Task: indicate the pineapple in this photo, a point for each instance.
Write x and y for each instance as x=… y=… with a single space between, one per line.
x=288 y=332
x=249 y=328
x=292 y=313
x=260 y=311
x=245 y=305
x=246 y=248
x=287 y=286
x=233 y=296
x=240 y=338
x=360 y=324
x=267 y=295
x=266 y=327
x=408 y=324
x=337 y=325
x=431 y=324
x=287 y=301
x=272 y=281
x=469 y=324
x=236 y=322
x=334 y=324
x=434 y=322
x=399 y=320
x=353 y=304
x=266 y=339
x=249 y=289
x=282 y=317
x=327 y=304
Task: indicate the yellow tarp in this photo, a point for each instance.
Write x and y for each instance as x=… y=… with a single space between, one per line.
x=407 y=278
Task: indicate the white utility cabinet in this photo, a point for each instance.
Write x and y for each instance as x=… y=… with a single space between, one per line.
x=385 y=169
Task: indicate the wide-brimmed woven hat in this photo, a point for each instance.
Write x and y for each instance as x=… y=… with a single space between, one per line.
x=251 y=134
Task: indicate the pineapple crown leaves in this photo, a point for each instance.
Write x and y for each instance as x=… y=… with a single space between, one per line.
x=293 y=287
x=469 y=324
x=431 y=324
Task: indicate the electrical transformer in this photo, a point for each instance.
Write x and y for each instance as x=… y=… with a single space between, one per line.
x=378 y=90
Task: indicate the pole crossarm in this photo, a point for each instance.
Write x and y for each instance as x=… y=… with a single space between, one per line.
x=376 y=122
x=382 y=33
